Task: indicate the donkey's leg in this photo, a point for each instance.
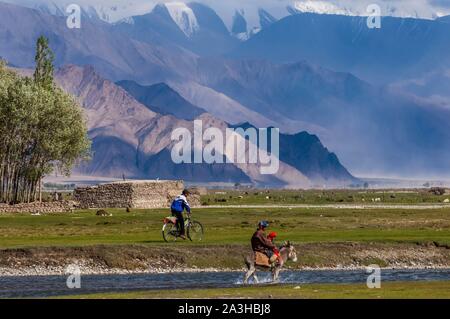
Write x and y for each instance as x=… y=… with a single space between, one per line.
x=255 y=277
x=276 y=274
x=249 y=261
x=251 y=271
x=247 y=276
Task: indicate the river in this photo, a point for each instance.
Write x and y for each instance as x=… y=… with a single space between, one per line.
x=47 y=286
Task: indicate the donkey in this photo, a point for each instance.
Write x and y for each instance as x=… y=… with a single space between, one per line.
x=287 y=252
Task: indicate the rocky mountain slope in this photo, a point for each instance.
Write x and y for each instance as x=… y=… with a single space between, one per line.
x=162 y=99
x=306 y=153
x=129 y=138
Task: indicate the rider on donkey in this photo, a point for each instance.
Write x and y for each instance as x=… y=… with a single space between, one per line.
x=261 y=244
x=179 y=204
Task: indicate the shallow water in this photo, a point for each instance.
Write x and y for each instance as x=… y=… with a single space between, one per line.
x=44 y=286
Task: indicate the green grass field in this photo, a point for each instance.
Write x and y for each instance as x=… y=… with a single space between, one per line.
x=324 y=237
x=229 y=226
x=318 y=197
x=402 y=290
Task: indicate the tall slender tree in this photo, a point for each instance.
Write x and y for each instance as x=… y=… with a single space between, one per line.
x=43 y=74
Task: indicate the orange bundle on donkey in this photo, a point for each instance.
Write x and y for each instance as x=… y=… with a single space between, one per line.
x=275 y=257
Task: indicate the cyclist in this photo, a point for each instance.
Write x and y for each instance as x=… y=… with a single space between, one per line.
x=180 y=204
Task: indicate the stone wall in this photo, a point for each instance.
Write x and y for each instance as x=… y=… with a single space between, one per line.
x=39 y=208
x=157 y=194
x=133 y=194
x=104 y=196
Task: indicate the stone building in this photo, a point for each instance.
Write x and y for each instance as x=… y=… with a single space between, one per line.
x=132 y=194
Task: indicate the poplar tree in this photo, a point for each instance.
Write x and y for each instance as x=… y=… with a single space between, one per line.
x=43 y=74
x=43 y=129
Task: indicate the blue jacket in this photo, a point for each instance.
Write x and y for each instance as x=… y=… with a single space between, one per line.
x=179 y=204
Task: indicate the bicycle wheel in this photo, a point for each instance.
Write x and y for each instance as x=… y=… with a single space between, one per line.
x=169 y=232
x=195 y=231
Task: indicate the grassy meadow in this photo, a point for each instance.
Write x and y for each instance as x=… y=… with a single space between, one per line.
x=318 y=197
x=229 y=226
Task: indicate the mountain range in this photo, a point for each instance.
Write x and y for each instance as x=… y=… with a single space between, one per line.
x=132 y=139
x=193 y=26
x=376 y=98
x=114 y=11
x=401 y=48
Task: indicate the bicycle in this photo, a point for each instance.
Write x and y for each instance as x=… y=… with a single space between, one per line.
x=170 y=232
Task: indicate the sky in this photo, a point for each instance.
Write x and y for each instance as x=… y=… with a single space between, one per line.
x=226 y=8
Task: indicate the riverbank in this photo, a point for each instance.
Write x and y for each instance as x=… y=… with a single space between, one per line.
x=132 y=259
x=397 y=290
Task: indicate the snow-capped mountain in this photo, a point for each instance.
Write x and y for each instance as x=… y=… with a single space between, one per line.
x=402 y=8
x=320 y=7
x=265 y=18
x=184 y=17
x=242 y=19
x=240 y=28
x=115 y=10
x=193 y=26
x=106 y=10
